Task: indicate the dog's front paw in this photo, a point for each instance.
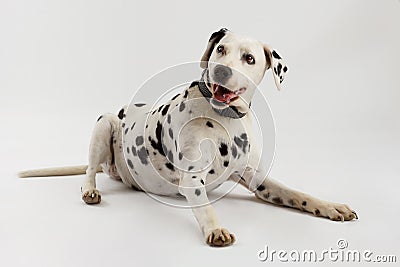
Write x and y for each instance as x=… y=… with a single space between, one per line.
x=220 y=237
x=91 y=196
x=336 y=212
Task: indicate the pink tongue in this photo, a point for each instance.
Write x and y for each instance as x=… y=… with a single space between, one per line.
x=222 y=95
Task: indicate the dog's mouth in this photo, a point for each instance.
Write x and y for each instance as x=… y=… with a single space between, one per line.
x=224 y=95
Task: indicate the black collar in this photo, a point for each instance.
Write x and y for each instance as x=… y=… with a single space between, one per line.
x=230 y=111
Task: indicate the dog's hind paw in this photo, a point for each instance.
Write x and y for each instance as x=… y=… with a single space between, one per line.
x=220 y=237
x=91 y=196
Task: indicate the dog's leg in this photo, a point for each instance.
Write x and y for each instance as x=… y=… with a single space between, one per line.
x=272 y=191
x=192 y=187
x=100 y=151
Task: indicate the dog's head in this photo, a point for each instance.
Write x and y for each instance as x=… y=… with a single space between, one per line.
x=236 y=65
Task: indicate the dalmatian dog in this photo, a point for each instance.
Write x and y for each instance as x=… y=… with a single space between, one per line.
x=197 y=140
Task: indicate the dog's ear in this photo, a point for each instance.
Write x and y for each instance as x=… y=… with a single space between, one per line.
x=214 y=39
x=275 y=62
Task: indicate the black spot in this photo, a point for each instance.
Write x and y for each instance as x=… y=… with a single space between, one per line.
x=234 y=151
x=139 y=140
x=261 y=187
x=285 y=69
x=245 y=144
x=123 y=125
x=142 y=153
x=134 y=152
x=242 y=142
x=127 y=149
x=238 y=141
x=176 y=146
x=165 y=109
x=242 y=178
x=202 y=182
x=100 y=118
x=180 y=156
x=147 y=126
x=304 y=203
x=154 y=153
x=223 y=149
x=190 y=168
x=186 y=94
x=158 y=144
x=170 y=166
x=317 y=212
x=171 y=133
x=140 y=104
x=193 y=84
x=277 y=200
x=209 y=124
x=275 y=55
x=130 y=164
x=279 y=68
x=276 y=72
x=170 y=156
x=197 y=192
x=291 y=202
x=226 y=163
x=175 y=97
x=169 y=118
x=154 y=111
x=182 y=106
x=211 y=171
x=266 y=196
x=126 y=130
x=133 y=125
x=160 y=107
x=121 y=114
x=194 y=176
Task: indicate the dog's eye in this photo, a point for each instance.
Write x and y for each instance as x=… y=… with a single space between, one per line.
x=221 y=49
x=250 y=59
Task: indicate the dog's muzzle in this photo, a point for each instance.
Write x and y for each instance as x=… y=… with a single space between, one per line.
x=221 y=75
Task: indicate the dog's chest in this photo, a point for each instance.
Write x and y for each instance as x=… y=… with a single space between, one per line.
x=180 y=137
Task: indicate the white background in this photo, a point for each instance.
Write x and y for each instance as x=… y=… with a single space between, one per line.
x=62 y=63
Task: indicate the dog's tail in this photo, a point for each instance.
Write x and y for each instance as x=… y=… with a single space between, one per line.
x=57 y=171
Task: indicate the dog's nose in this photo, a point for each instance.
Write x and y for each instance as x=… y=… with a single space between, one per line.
x=222 y=74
